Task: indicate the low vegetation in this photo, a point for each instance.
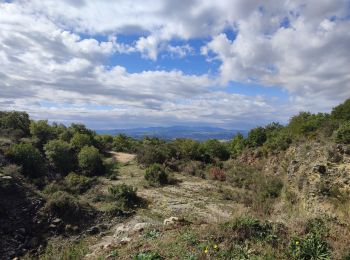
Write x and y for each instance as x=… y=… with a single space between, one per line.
x=288 y=186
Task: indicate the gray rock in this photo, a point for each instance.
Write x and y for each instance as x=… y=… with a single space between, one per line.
x=93 y=230
x=140 y=226
x=320 y=168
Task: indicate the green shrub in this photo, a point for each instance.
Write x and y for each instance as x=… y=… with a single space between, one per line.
x=123 y=143
x=42 y=131
x=342 y=135
x=149 y=154
x=90 y=161
x=310 y=247
x=148 y=256
x=256 y=137
x=79 y=140
x=156 y=175
x=15 y=120
x=272 y=188
x=76 y=183
x=65 y=206
x=342 y=111
x=186 y=149
x=213 y=149
x=27 y=156
x=237 y=145
x=59 y=155
x=124 y=195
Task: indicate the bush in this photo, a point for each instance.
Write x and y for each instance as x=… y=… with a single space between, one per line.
x=149 y=154
x=156 y=175
x=213 y=149
x=124 y=195
x=90 y=161
x=65 y=206
x=76 y=183
x=187 y=149
x=27 y=156
x=256 y=137
x=15 y=120
x=237 y=145
x=59 y=155
x=310 y=247
x=217 y=174
x=342 y=111
x=42 y=131
x=123 y=143
x=342 y=135
x=79 y=140
x=148 y=256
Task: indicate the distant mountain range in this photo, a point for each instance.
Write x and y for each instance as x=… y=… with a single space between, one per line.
x=172 y=132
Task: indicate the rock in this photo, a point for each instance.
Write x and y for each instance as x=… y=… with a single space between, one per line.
x=56 y=221
x=52 y=226
x=125 y=240
x=319 y=168
x=93 y=230
x=7 y=177
x=22 y=230
x=139 y=227
x=170 y=221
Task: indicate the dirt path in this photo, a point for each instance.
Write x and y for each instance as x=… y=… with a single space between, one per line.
x=193 y=199
x=123 y=157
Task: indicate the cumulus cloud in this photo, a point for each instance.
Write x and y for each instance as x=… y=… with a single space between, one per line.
x=53 y=57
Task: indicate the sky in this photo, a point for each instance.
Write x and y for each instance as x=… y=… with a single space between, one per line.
x=234 y=64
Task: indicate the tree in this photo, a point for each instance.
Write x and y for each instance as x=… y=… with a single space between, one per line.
x=15 y=120
x=342 y=111
x=186 y=148
x=123 y=143
x=90 y=161
x=59 y=155
x=79 y=140
x=28 y=157
x=42 y=131
x=256 y=137
x=237 y=145
x=214 y=149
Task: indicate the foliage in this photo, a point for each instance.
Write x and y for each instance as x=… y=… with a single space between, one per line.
x=80 y=140
x=342 y=135
x=149 y=154
x=124 y=195
x=213 y=149
x=64 y=251
x=90 y=161
x=310 y=247
x=185 y=148
x=148 y=256
x=42 y=131
x=76 y=183
x=256 y=137
x=15 y=120
x=237 y=145
x=217 y=173
x=156 y=175
x=59 y=155
x=27 y=156
x=123 y=143
x=342 y=111
x=65 y=206
x=306 y=123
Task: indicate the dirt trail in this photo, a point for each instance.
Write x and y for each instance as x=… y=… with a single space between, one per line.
x=194 y=199
x=123 y=157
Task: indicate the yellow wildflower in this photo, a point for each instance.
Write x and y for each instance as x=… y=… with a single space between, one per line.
x=216 y=247
x=206 y=250
x=297 y=242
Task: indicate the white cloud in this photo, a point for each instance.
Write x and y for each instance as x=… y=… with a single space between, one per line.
x=50 y=69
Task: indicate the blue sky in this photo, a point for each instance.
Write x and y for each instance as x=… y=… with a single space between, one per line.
x=232 y=64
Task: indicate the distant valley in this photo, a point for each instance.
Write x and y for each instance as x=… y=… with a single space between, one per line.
x=173 y=132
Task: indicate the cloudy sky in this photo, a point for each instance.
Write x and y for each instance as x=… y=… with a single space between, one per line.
x=227 y=63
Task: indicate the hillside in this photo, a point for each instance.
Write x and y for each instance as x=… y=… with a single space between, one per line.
x=173 y=132
x=280 y=192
